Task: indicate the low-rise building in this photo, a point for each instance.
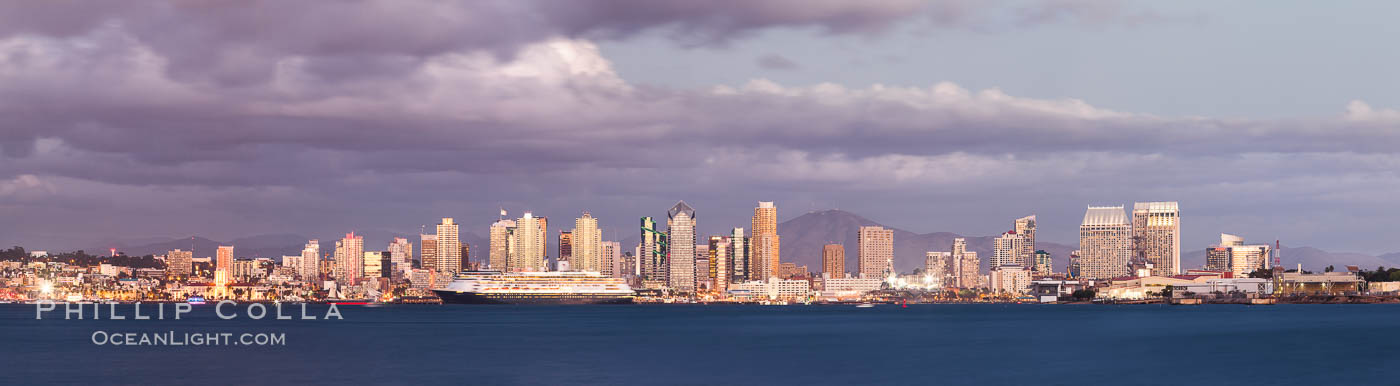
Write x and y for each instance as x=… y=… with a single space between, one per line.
x=848 y=288
x=1327 y=283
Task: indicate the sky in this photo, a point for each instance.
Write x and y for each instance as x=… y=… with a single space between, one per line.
x=146 y=119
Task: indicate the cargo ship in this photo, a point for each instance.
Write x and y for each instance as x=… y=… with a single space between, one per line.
x=493 y=287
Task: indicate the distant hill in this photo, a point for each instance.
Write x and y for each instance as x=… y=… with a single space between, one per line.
x=804 y=236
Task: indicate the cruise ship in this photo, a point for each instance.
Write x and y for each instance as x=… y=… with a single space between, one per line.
x=492 y=287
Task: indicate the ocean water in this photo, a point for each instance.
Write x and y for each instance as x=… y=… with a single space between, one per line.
x=728 y=345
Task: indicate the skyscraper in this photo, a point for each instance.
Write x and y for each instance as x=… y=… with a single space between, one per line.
x=613 y=264
x=719 y=264
x=427 y=251
x=1007 y=250
x=449 y=247
x=378 y=264
x=1157 y=236
x=965 y=265
x=834 y=261
x=566 y=251
x=1025 y=227
x=680 y=230
x=310 y=269
x=876 y=258
x=587 y=248
x=1232 y=255
x=223 y=263
x=502 y=231
x=528 y=249
x=765 y=243
x=1043 y=263
x=401 y=254
x=1105 y=243
x=179 y=263
x=938 y=267
x=651 y=252
x=739 y=257
x=349 y=258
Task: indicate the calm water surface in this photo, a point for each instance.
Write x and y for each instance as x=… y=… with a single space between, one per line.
x=731 y=345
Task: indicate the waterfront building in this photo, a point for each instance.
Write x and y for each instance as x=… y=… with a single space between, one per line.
x=586 y=246
x=938 y=268
x=848 y=288
x=502 y=231
x=1025 y=227
x=1232 y=255
x=834 y=260
x=765 y=243
x=738 y=256
x=1007 y=249
x=528 y=245
x=1326 y=283
x=349 y=256
x=566 y=249
x=680 y=229
x=651 y=253
x=876 y=252
x=613 y=264
x=1105 y=242
x=401 y=252
x=772 y=289
x=223 y=264
x=179 y=263
x=1051 y=290
x=449 y=247
x=1010 y=279
x=1157 y=236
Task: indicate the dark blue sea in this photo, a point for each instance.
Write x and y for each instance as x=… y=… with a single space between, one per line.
x=728 y=345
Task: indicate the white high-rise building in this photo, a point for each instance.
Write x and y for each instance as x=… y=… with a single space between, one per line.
x=1232 y=255
x=938 y=267
x=1025 y=227
x=310 y=269
x=1157 y=235
x=1007 y=250
x=587 y=254
x=612 y=259
x=1010 y=279
x=739 y=257
x=680 y=230
x=1105 y=243
x=876 y=257
x=401 y=254
x=528 y=245
x=449 y=247
x=966 y=265
x=349 y=258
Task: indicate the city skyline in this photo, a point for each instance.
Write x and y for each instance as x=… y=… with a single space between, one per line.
x=872 y=107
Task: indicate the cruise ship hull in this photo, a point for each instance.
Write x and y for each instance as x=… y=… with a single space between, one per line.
x=453 y=297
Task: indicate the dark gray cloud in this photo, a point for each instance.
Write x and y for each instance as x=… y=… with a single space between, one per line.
x=242 y=118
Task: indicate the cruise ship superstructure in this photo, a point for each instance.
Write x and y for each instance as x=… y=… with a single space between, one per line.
x=492 y=287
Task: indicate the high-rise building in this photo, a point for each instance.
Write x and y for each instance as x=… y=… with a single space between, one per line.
x=378 y=264
x=1232 y=255
x=1105 y=243
x=528 y=250
x=613 y=264
x=938 y=268
x=765 y=244
x=223 y=266
x=966 y=265
x=566 y=248
x=1025 y=227
x=449 y=247
x=1043 y=263
x=587 y=246
x=466 y=258
x=739 y=257
x=502 y=232
x=1010 y=279
x=1157 y=236
x=310 y=269
x=680 y=230
x=718 y=274
x=651 y=252
x=876 y=257
x=349 y=258
x=401 y=253
x=179 y=263
x=834 y=261
x=427 y=255
x=1007 y=250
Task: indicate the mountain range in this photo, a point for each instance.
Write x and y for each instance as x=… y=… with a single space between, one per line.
x=802 y=241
